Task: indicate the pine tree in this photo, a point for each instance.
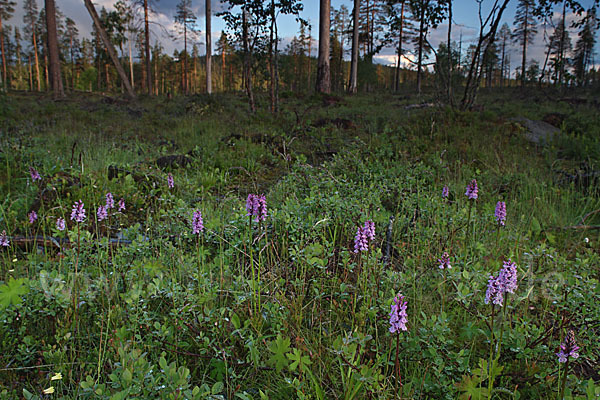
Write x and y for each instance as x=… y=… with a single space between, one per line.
x=584 y=48
x=7 y=8
x=504 y=35
x=524 y=31
x=429 y=14
x=224 y=48
x=400 y=31
x=30 y=21
x=559 y=47
x=72 y=43
x=186 y=20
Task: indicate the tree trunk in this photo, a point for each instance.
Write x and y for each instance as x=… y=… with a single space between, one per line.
x=542 y=75
x=223 y=68
x=562 y=48
x=449 y=93
x=353 y=85
x=524 y=61
x=37 y=61
x=323 y=69
x=72 y=63
x=46 y=69
x=308 y=59
x=276 y=69
x=247 y=62
x=184 y=85
x=111 y=49
x=147 y=48
x=400 y=40
x=56 y=78
x=502 y=62
x=4 y=73
x=271 y=61
x=474 y=76
x=420 y=50
x=30 y=74
x=131 y=66
x=208 y=48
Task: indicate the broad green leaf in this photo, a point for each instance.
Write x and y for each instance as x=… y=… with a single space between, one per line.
x=11 y=292
x=279 y=348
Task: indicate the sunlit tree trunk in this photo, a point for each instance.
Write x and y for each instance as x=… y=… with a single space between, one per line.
x=353 y=85
x=147 y=49
x=208 y=48
x=323 y=67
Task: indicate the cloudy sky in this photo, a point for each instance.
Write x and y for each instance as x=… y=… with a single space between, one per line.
x=465 y=23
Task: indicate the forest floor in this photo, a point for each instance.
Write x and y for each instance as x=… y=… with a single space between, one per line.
x=131 y=303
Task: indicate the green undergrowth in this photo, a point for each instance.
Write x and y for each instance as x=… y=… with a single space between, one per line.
x=137 y=306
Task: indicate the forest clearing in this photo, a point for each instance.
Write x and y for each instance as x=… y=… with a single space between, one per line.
x=401 y=203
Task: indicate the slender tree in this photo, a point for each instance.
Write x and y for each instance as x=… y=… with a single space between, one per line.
x=449 y=45
x=147 y=46
x=486 y=39
x=7 y=7
x=126 y=11
x=186 y=20
x=399 y=28
x=30 y=20
x=524 y=31
x=208 y=48
x=429 y=14
x=109 y=47
x=323 y=68
x=584 y=48
x=353 y=85
x=558 y=48
x=73 y=42
x=224 y=48
x=504 y=35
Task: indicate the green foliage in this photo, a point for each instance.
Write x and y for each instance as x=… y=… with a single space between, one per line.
x=11 y=292
x=157 y=312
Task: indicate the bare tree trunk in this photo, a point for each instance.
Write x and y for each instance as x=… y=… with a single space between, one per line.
x=156 y=73
x=72 y=64
x=56 y=78
x=474 y=76
x=308 y=76
x=30 y=73
x=400 y=40
x=37 y=62
x=449 y=93
x=271 y=61
x=353 y=85
x=107 y=77
x=46 y=69
x=184 y=85
x=420 y=50
x=247 y=62
x=543 y=74
x=502 y=62
x=4 y=73
x=223 y=69
x=208 y=48
x=323 y=69
x=147 y=49
x=525 y=32
x=131 y=66
x=562 y=48
x=276 y=68
x=111 y=50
